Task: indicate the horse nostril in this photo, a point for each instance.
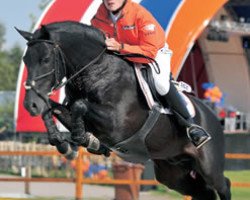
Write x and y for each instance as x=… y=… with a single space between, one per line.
x=33 y=105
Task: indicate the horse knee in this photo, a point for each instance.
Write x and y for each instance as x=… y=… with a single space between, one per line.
x=79 y=108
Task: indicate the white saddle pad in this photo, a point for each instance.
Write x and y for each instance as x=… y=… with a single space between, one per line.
x=149 y=97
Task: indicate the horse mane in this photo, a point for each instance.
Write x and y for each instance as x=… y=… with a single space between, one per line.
x=82 y=43
x=92 y=33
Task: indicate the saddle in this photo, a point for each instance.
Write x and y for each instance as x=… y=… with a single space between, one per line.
x=146 y=83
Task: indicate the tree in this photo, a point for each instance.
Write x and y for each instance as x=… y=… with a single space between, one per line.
x=2 y=33
x=6 y=115
x=14 y=56
x=42 y=5
x=9 y=63
x=6 y=72
x=10 y=60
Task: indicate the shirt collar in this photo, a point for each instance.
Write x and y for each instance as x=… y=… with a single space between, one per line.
x=113 y=17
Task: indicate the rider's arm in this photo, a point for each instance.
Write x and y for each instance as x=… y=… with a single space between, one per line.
x=151 y=37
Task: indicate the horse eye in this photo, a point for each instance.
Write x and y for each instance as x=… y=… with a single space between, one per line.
x=45 y=60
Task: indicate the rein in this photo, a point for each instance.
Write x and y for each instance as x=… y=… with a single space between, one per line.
x=81 y=70
x=61 y=83
x=137 y=55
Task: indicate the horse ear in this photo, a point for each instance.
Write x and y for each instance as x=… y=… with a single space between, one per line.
x=44 y=33
x=28 y=36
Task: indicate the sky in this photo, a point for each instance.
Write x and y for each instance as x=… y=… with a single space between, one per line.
x=15 y=13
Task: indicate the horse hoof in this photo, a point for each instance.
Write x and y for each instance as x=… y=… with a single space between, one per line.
x=72 y=152
x=63 y=148
x=72 y=155
x=69 y=151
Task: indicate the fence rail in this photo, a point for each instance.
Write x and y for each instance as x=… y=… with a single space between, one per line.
x=237 y=156
x=79 y=179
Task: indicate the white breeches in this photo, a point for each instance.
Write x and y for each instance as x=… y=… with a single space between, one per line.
x=162 y=79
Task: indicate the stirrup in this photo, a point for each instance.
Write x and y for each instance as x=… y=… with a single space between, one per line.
x=205 y=134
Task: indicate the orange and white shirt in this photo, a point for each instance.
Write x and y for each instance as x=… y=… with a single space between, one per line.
x=135 y=27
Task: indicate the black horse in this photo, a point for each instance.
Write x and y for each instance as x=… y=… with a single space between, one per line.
x=103 y=97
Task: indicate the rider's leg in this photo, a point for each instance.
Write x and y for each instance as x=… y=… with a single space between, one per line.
x=196 y=133
x=165 y=88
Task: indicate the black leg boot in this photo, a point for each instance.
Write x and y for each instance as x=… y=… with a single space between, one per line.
x=195 y=133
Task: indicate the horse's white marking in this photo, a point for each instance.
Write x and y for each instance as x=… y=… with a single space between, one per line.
x=193 y=174
x=58 y=112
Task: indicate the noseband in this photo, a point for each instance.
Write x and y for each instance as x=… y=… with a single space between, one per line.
x=31 y=84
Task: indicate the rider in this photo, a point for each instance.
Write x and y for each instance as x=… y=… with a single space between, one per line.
x=130 y=28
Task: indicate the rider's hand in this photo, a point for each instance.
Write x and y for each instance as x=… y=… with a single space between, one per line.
x=113 y=45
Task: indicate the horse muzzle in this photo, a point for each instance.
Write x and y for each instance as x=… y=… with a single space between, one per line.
x=32 y=108
x=33 y=104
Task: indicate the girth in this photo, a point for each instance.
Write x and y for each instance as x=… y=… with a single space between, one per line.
x=134 y=149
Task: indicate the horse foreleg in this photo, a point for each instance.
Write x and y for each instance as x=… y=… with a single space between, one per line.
x=62 y=113
x=79 y=135
x=72 y=119
x=86 y=139
x=56 y=138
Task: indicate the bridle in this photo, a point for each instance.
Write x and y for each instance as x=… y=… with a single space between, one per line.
x=59 y=57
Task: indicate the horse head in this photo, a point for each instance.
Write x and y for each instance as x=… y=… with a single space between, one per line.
x=55 y=51
x=40 y=59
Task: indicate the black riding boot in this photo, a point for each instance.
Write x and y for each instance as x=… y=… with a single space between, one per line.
x=196 y=134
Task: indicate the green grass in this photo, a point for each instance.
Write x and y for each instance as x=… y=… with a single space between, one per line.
x=238 y=176
x=240 y=193
x=162 y=190
x=242 y=176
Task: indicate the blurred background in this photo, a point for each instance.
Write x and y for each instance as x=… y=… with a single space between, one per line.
x=217 y=66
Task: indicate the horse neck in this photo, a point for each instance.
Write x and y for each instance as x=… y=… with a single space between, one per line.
x=80 y=56
x=79 y=43
x=106 y=77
